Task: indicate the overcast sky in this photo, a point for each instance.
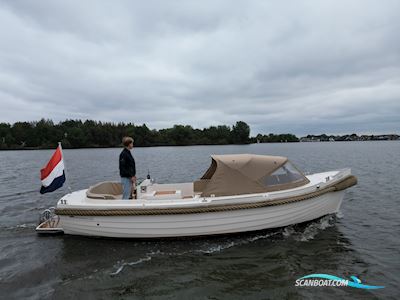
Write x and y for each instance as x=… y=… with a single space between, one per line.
x=281 y=66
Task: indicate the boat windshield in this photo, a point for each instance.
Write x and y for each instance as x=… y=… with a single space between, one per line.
x=285 y=174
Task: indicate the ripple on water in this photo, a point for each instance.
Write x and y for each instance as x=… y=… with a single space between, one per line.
x=365 y=241
x=300 y=233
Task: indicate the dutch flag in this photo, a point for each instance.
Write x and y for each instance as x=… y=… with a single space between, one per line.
x=53 y=175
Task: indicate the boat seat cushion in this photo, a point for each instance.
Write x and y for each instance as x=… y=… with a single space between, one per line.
x=105 y=190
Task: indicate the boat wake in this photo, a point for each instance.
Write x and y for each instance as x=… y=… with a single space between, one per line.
x=122 y=266
x=19 y=193
x=206 y=249
x=310 y=231
x=18 y=227
x=299 y=233
x=209 y=249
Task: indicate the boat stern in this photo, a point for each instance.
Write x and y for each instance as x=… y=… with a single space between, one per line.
x=49 y=223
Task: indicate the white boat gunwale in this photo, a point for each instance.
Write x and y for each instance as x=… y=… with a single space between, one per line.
x=139 y=207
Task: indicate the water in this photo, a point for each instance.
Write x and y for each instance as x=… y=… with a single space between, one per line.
x=362 y=240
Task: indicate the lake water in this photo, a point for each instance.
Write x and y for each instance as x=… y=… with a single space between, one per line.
x=362 y=240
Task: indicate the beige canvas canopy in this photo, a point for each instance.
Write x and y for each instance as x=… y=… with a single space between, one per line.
x=237 y=174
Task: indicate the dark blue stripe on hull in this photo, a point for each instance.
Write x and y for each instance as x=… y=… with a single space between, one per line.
x=57 y=183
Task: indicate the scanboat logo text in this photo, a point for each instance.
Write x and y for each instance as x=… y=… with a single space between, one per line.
x=330 y=280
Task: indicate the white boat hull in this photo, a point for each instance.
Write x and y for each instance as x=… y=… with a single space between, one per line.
x=198 y=224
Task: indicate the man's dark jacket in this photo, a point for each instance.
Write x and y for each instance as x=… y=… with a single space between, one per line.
x=127 y=167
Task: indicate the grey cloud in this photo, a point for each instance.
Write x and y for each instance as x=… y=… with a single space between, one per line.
x=304 y=67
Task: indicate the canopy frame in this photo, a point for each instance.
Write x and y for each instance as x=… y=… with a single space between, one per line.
x=237 y=174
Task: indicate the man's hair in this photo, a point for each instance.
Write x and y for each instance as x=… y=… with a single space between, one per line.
x=127 y=140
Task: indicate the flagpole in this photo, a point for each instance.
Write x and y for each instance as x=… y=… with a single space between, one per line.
x=65 y=168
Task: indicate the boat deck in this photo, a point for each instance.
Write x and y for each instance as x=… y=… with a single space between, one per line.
x=180 y=195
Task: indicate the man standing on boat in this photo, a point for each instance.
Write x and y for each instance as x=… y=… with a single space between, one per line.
x=127 y=168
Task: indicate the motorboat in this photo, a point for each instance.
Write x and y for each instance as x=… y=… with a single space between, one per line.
x=237 y=193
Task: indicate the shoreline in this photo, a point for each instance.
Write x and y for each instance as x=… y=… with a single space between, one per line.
x=154 y=146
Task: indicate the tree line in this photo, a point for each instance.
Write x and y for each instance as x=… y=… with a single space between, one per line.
x=90 y=134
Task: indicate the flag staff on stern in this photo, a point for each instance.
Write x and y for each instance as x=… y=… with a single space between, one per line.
x=65 y=169
x=52 y=177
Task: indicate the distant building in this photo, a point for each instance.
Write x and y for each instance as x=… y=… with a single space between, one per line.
x=350 y=138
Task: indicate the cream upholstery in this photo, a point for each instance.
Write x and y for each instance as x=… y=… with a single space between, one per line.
x=105 y=190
